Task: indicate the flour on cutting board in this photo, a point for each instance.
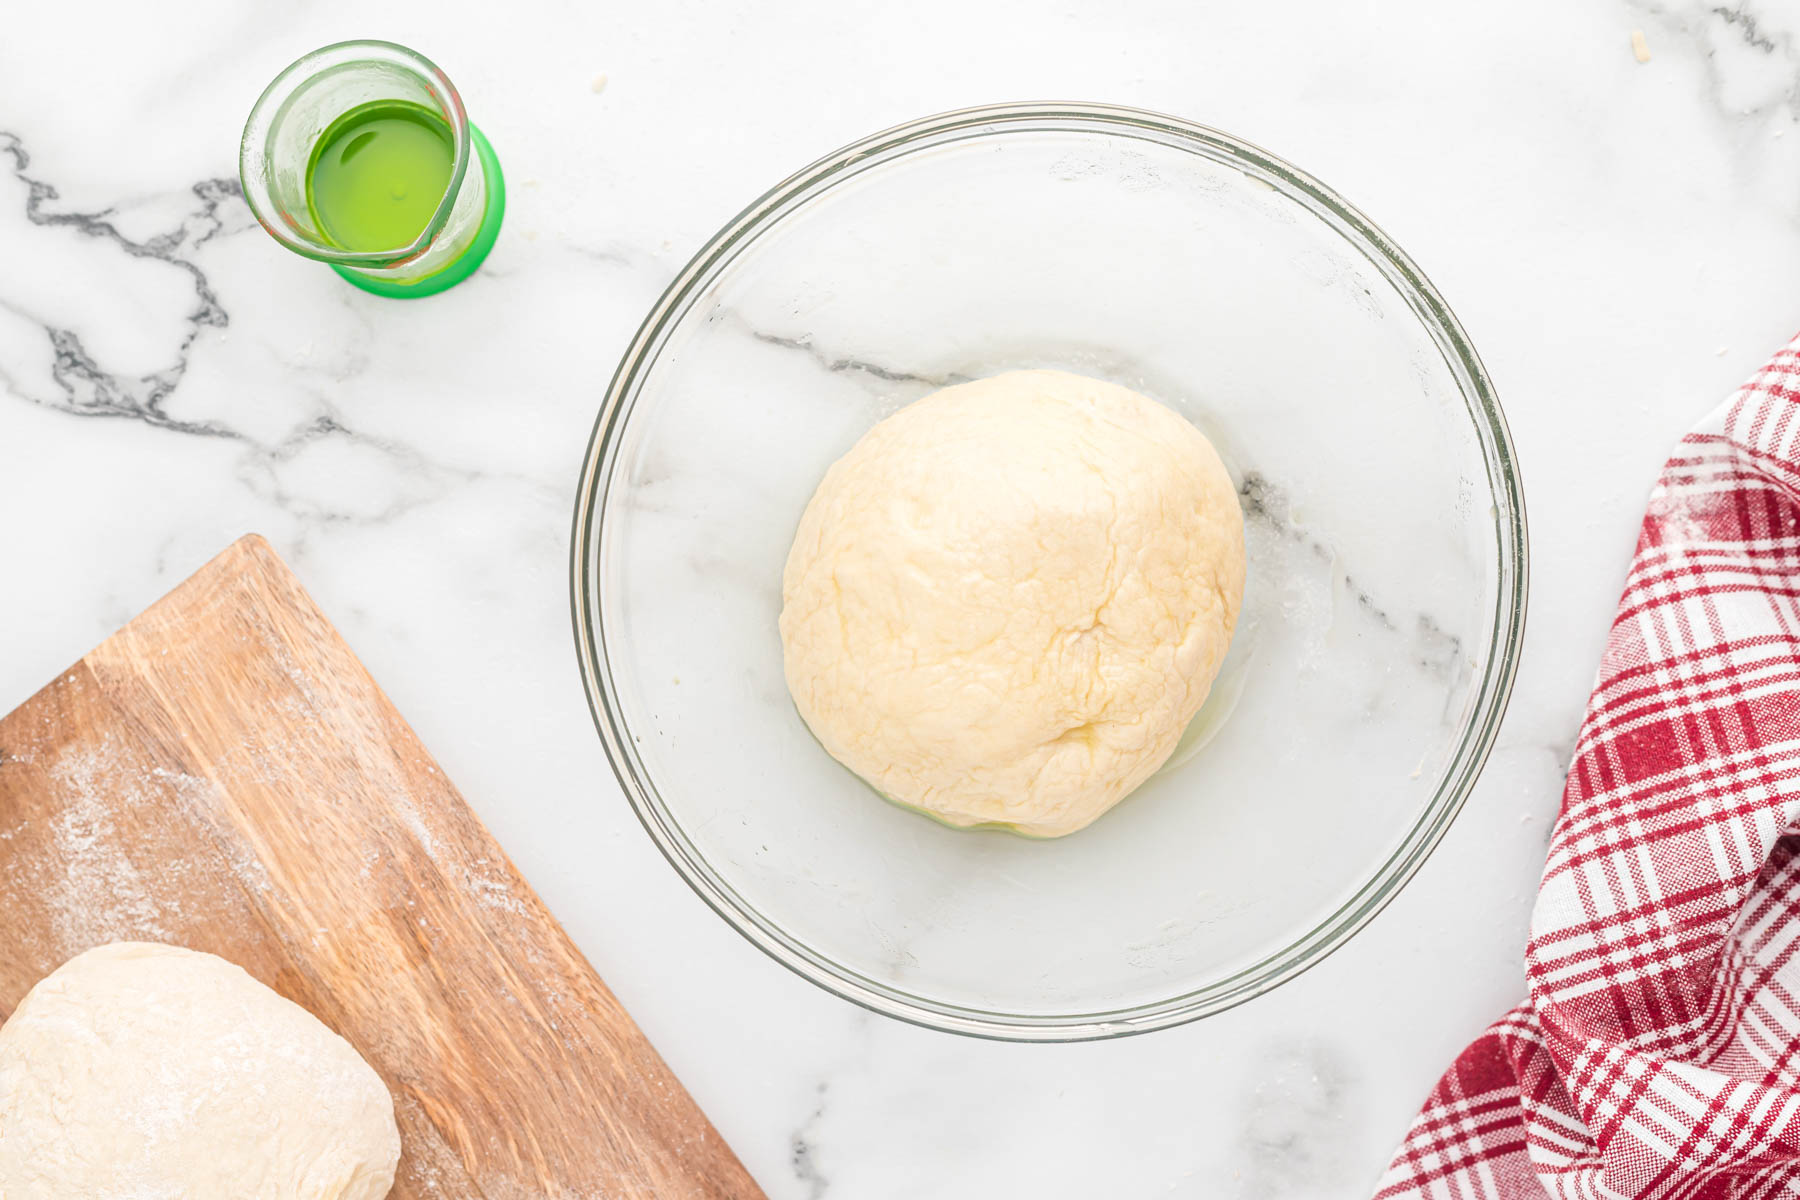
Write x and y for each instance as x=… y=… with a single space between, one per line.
x=194 y=793
x=100 y=895
x=482 y=879
x=205 y=782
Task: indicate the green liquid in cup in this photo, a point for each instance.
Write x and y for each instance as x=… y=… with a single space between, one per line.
x=378 y=173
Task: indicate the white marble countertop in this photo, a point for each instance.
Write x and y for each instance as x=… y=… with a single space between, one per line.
x=1621 y=240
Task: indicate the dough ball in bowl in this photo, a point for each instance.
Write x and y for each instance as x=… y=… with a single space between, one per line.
x=1006 y=602
x=138 y=1069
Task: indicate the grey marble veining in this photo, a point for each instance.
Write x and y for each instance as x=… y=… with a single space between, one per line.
x=845 y=365
x=86 y=388
x=1749 y=55
x=1299 y=1123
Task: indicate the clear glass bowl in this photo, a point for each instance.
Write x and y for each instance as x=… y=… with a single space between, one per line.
x=1382 y=618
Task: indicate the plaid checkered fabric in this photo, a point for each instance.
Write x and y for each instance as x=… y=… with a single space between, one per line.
x=1658 y=1054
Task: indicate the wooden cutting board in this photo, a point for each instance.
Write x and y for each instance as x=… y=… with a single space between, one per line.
x=223 y=774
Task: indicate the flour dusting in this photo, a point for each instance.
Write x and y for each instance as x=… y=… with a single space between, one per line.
x=100 y=895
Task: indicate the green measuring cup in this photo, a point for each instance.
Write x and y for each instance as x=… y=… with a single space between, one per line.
x=360 y=155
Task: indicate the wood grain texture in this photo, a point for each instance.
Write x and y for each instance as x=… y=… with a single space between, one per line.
x=223 y=774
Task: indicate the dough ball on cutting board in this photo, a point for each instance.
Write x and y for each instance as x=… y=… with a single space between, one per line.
x=1007 y=601
x=146 y=1072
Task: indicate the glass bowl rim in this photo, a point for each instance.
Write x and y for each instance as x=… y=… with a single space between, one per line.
x=1475 y=740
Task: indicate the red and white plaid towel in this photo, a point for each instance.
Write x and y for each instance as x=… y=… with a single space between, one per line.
x=1659 y=1052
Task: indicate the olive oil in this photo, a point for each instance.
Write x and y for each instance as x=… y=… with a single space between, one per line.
x=378 y=173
